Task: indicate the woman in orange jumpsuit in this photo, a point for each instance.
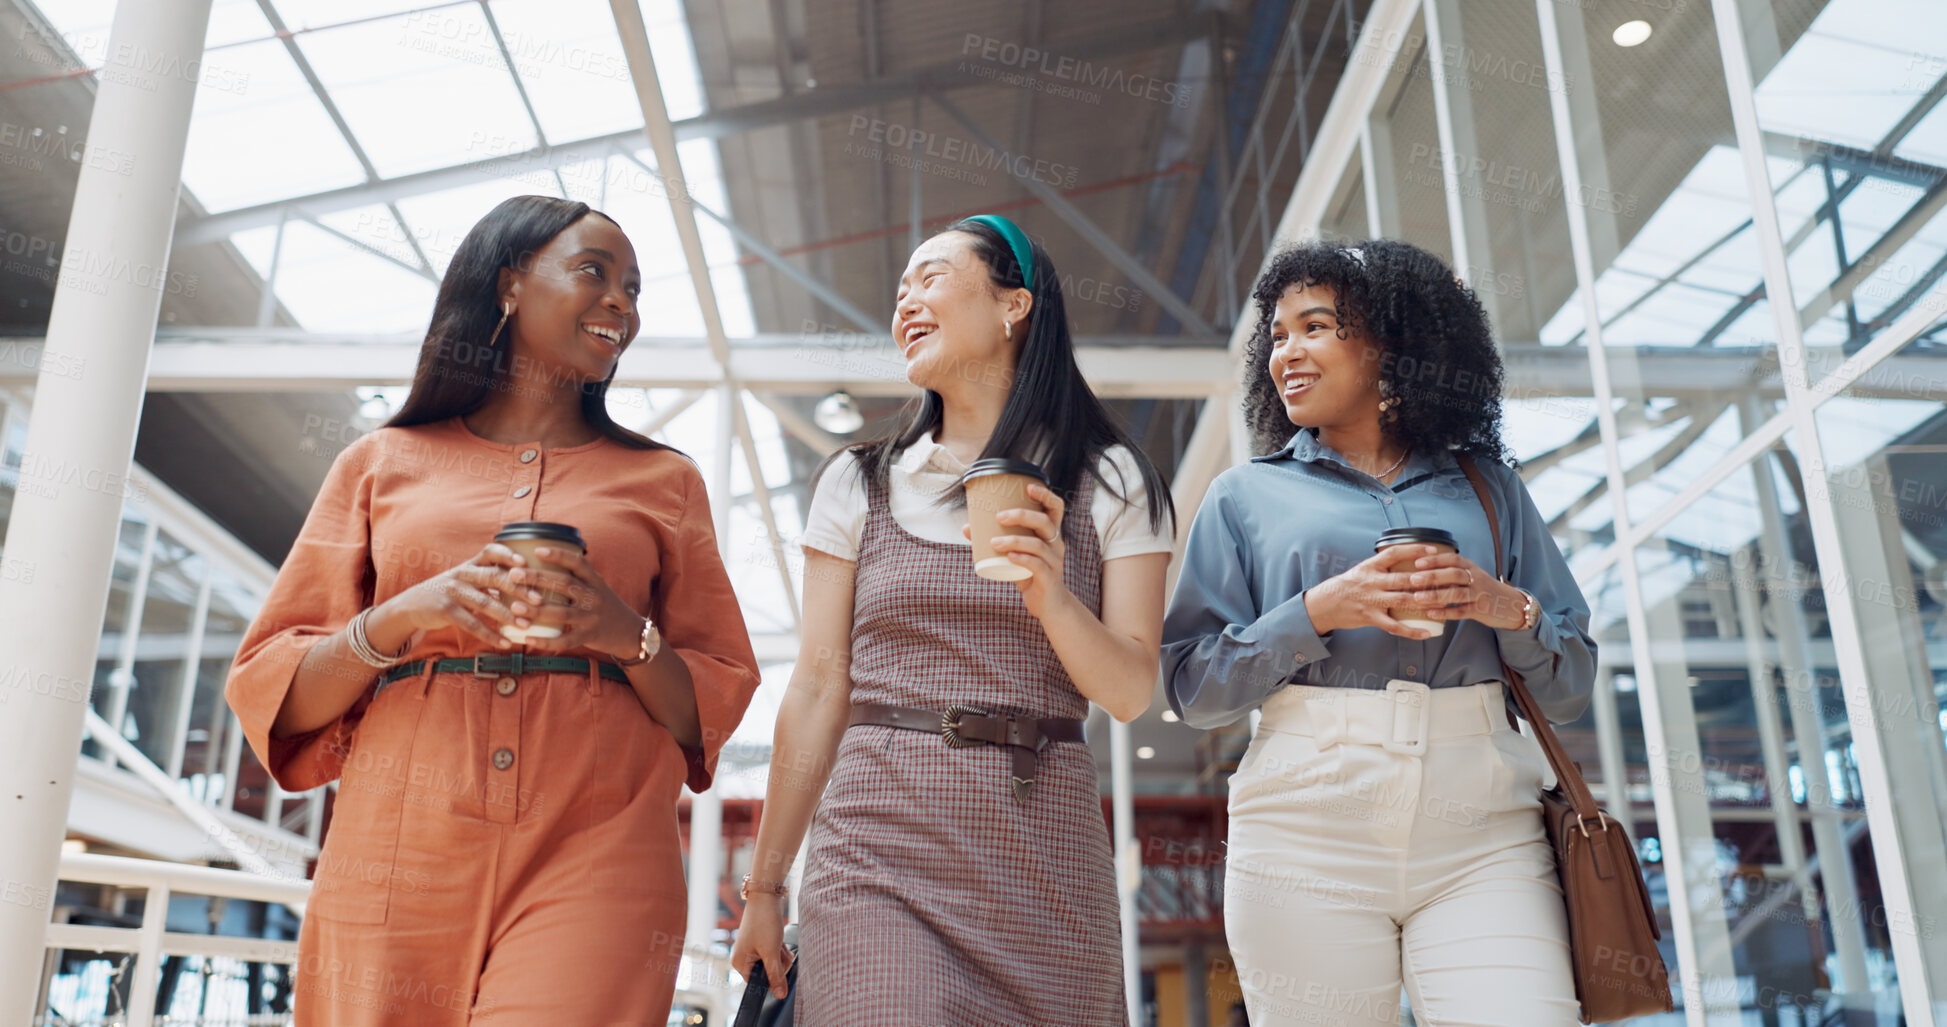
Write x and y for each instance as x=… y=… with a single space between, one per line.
x=503 y=848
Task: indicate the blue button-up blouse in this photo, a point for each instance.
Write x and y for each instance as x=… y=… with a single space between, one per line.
x=1237 y=630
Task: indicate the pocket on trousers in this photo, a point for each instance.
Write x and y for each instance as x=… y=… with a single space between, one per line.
x=359 y=864
x=630 y=838
x=1279 y=768
x=1519 y=768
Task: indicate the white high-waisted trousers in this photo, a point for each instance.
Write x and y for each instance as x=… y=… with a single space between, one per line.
x=1376 y=836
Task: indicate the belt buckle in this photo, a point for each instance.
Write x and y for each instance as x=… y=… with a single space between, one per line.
x=481 y=670
x=1416 y=698
x=950 y=726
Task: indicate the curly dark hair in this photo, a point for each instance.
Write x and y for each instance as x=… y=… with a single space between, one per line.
x=1438 y=358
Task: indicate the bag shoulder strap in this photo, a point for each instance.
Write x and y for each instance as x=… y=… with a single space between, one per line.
x=1567 y=774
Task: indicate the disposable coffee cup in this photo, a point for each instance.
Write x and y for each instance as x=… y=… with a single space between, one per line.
x=1414 y=617
x=994 y=485
x=524 y=537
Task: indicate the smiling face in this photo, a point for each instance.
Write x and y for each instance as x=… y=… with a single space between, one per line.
x=948 y=314
x=575 y=301
x=1325 y=380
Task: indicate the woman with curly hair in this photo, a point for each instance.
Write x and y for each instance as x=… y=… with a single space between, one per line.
x=1384 y=822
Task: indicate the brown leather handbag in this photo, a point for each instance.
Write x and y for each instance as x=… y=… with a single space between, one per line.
x=1612 y=930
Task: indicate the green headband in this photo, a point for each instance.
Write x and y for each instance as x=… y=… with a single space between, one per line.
x=1017 y=241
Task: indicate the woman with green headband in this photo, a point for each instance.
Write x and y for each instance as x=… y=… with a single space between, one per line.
x=959 y=869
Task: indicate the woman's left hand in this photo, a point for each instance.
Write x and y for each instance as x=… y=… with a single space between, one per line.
x=1038 y=547
x=1451 y=587
x=596 y=618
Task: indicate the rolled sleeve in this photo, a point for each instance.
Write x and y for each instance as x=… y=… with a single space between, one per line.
x=699 y=618
x=1221 y=654
x=322 y=584
x=1556 y=658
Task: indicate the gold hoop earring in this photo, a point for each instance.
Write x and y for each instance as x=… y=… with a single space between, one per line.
x=1007 y=328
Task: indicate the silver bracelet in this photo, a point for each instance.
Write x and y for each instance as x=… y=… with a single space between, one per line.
x=362 y=644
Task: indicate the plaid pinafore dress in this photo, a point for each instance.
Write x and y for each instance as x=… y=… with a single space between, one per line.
x=931 y=896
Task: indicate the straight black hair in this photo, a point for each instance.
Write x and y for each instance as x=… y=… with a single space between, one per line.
x=458 y=367
x=1051 y=416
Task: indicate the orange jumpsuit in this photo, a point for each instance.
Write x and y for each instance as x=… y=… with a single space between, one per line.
x=502 y=850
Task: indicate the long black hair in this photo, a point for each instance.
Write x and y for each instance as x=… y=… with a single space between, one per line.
x=1051 y=417
x=458 y=368
x=1438 y=363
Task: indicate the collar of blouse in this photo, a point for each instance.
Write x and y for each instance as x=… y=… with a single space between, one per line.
x=1305 y=447
x=929 y=457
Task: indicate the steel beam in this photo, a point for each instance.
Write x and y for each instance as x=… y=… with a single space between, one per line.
x=1122 y=39
x=813 y=284
x=1088 y=230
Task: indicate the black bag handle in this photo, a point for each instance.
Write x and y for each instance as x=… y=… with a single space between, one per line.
x=757 y=989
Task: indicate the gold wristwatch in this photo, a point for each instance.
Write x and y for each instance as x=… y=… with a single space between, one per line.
x=1530 y=611
x=650 y=644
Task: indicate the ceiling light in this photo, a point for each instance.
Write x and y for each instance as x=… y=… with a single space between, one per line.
x=838 y=413
x=1630 y=33
x=1145 y=752
x=1169 y=716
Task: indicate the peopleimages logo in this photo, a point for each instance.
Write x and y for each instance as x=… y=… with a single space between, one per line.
x=893 y=136
x=1070 y=69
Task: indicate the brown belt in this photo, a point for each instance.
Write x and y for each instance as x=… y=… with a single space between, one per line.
x=963 y=726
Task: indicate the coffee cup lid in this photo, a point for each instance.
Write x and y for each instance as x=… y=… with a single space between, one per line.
x=549 y=530
x=1003 y=465
x=1422 y=536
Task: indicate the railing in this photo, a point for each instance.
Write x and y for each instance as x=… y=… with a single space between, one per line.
x=152 y=942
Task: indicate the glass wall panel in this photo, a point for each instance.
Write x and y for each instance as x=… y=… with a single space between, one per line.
x=253 y=785
x=110 y=685
x=1678 y=280
x=1506 y=162
x=1884 y=481
x=1856 y=142
x=210 y=721
x=1406 y=149
x=1345 y=216
x=12 y=450
x=162 y=648
x=1618 y=770
x=1726 y=592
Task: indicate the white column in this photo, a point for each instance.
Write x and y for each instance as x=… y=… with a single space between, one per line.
x=1609 y=751
x=80 y=438
x=706 y=871
x=1128 y=863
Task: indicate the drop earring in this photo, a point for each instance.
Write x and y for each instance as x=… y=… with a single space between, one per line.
x=505 y=313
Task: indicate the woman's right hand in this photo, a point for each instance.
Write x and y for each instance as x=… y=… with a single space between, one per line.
x=1360 y=597
x=761 y=937
x=460 y=597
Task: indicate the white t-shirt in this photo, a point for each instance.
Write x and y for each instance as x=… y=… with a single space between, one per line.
x=926 y=470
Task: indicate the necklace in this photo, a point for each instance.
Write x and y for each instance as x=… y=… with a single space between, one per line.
x=1396 y=465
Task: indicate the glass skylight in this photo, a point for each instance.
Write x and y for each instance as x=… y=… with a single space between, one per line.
x=266 y=138
x=422 y=91
x=571 y=62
